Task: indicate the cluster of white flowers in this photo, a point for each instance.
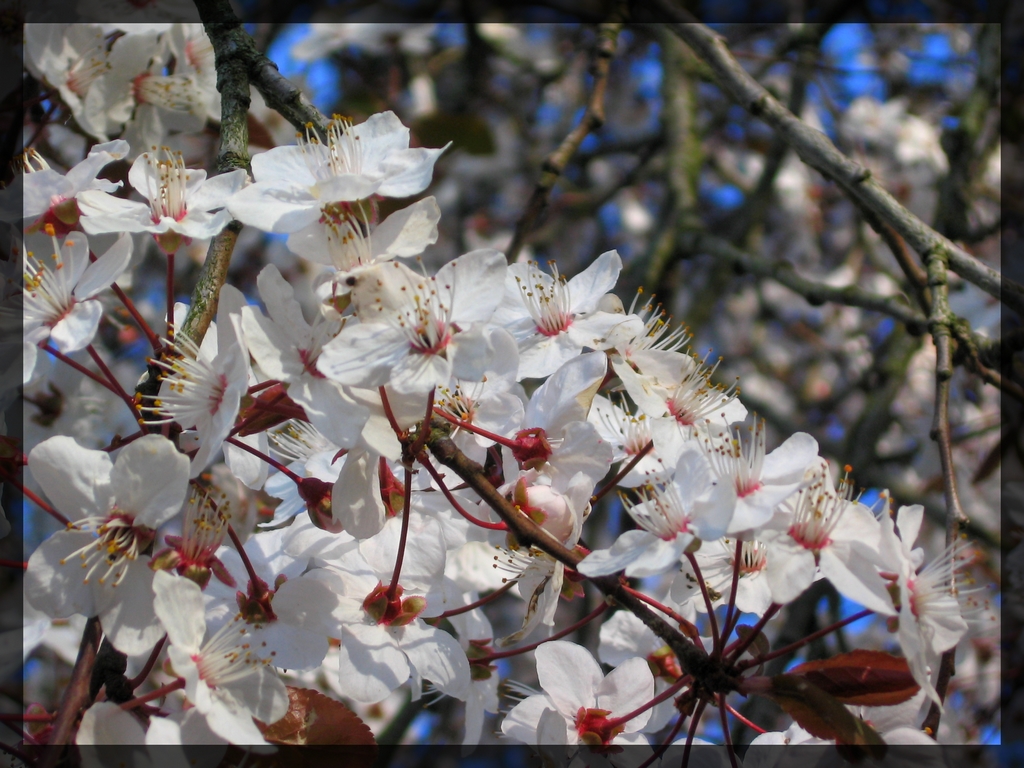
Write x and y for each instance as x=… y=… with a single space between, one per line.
x=548 y=383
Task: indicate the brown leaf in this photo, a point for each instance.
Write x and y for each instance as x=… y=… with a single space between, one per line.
x=867 y=678
x=317 y=720
x=823 y=715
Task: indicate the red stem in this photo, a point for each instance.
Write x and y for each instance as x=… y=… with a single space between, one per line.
x=476 y=430
x=403 y=538
x=732 y=600
x=499 y=526
x=558 y=635
x=128 y=399
x=257 y=584
x=121 y=442
x=140 y=678
x=737 y=648
x=170 y=295
x=161 y=691
x=261 y=386
x=725 y=730
x=660 y=749
x=692 y=730
x=804 y=640
x=42 y=504
x=715 y=636
x=482 y=601
x=745 y=721
x=5 y=563
x=622 y=472
x=269 y=459
x=665 y=695
x=154 y=340
x=17 y=717
x=263 y=407
x=663 y=608
x=421 y=438
x=78 y=367
x=389 y=413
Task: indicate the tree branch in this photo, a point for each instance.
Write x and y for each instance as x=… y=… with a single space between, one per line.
x=555 y=163
x=76 y=695
x=816 y=293
x=815 y=149
x=707 y=673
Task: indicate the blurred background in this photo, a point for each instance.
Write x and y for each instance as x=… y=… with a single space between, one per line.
x=706 y=208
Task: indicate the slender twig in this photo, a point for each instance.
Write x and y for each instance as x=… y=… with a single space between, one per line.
x=815 y=292
x=692 y=659
x=154 y=340
x=403 y=537
x=269 y=459
x=787 y=649
x=482 y=601
x=140 y=678
x=158 y=693
x=555 y=163
x=76 y=695
x=556 y=636
x=115 y=384
x=79 y=367
x=716 y=638
x=939 y=323
x=817 y=151
x=725 y=730
x=432 y=470
x=727 y=626
x=626 y=469
x=746 y=721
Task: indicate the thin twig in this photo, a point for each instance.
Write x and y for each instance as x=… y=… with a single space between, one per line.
x=76 y=695
x=940 y=322
x=817 y=151
x=555 y=163
x=693 y=660
x=815 y=292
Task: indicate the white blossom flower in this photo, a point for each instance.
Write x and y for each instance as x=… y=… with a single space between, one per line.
x=203 y=386
x=178 y=203
x=580 y=705
x=60 y=301
x=296 y=185
x=416 y=332
x=757 y=481
x=821 y=529
x=226 y=678
x=670 y=516
x=287 y=349
x=51 y=197
x=96 y=566
x=552 y=319
x=930 y=618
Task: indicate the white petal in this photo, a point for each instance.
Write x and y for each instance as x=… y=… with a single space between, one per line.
x=106 y=269
x=280 y=206
x=627 y=549
x=569 y=675
x=150 y=479
x=626 y=688
x=76 y=479
x=106 y=723
x=409 y=231
x=587 y=288
x=355 y=500
x=437 y=656
x=178 y=603
x=77 y=328
x=372 y=665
